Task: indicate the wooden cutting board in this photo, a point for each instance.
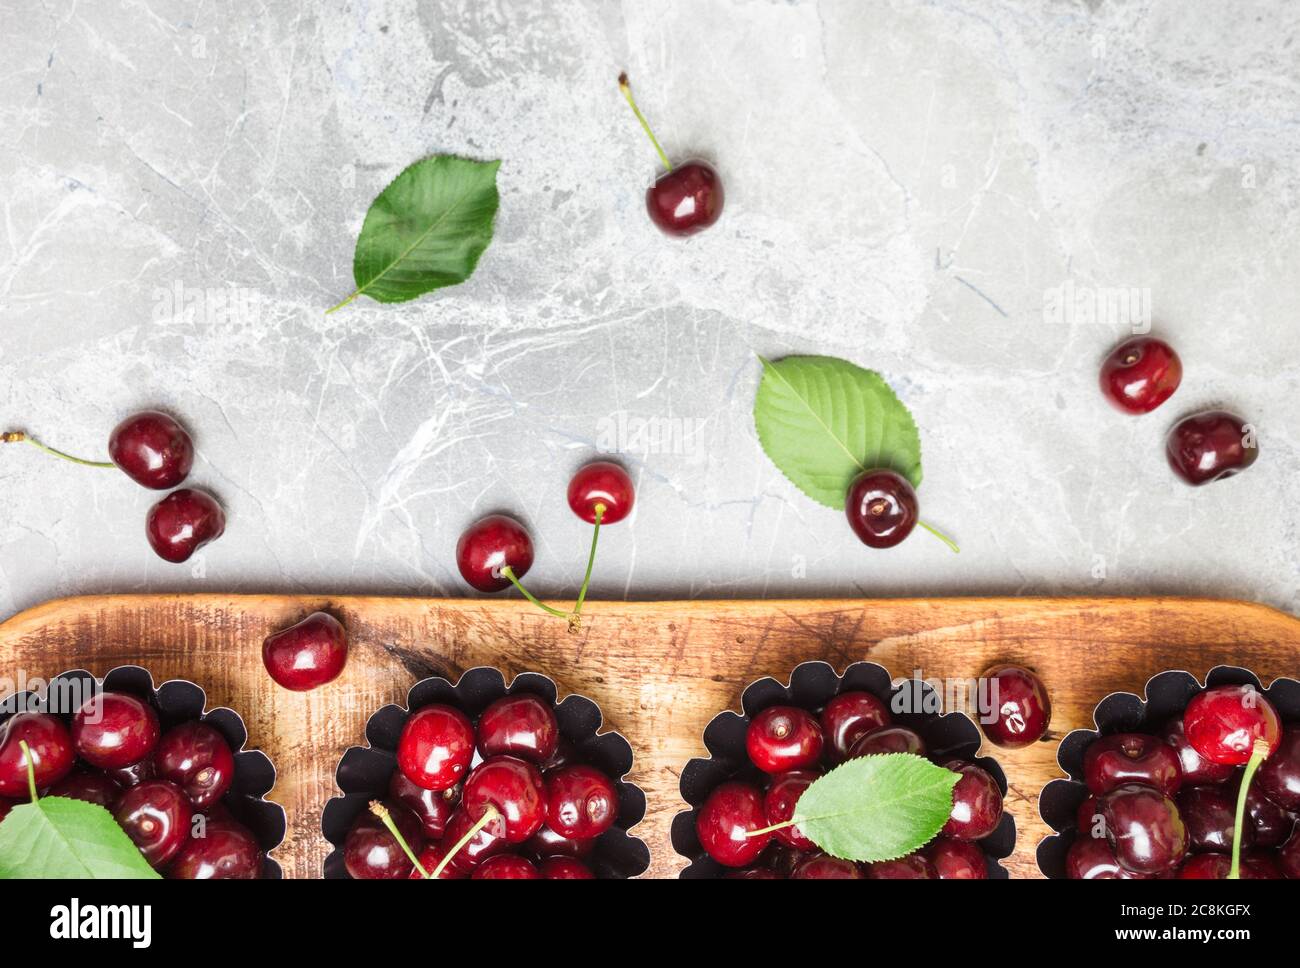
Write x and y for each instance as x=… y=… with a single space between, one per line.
x=659 y=670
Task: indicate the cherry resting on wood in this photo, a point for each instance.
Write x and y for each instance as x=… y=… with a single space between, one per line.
x=1023 y=708
x=307 y=655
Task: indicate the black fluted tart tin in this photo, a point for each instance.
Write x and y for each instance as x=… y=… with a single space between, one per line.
x=178 y=701
x=364 y=772
x=1166 y=695
x=812 y=685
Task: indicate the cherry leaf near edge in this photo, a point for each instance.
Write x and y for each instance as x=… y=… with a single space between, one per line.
x=822 y=421
x=60 y=838
x=877 y=808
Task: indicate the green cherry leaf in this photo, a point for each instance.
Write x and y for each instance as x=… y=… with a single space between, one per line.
x=823 y=421
x=426 y=230
x=877 y=808
x=56 y=837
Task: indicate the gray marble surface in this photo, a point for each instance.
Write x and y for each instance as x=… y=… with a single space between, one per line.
x=912 y=185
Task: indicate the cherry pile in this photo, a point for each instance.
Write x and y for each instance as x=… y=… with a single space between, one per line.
x=504 y=798
x=165 y=789
x=1165 y=805
x=792 y=747
x=156 y=452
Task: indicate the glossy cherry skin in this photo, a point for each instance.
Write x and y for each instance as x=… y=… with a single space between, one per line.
x=604 y=483
x=1112 y=761
x=372 y=853
x=547 y=843
x=152 y=449
x=1289 y=856
x=431 y=857
x=226 y=852
x=1209 y=446
x=522 y=726
x=156 y=816
x=436 y=747
x=1197 y=770
x=433 y=808
x=849 y=716
x=1085 y=818
x=197 y=759
x=913 y=867
x=133 y=775
x=1223 y=723
x=1091 y=859
x=956 y=860
x=182 y=523
x=1215 y=867
x=1140 y=374
x=114 y=729
x=515 y=788
x=51 y=748
x=1270 y=825
x=479 y=848
x=779 y=805
x=489 y=545
x=731 y=811
x=1020 y=704
x=565 y=869
x=506 y=867
x=1144 y=829
x=581 y=802
x=686 y=199
x=1210 y=815
x=782 y=738
x=96 y=788
x=307 y=655
x=881 y=507
x=824 y=867
x=1279 y=776
x=888 y=739
x=976 y=803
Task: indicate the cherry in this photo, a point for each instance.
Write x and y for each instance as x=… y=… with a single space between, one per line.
x=1092 y=859
x=1223 y=723
x=881 y=507
x=515 y=788
x=226 y=852
x=491 y=547
x=1143 y=828
x=565 y=869
x=910 y=868
x=1140 y=374
x=436 y=747
x=847 y=717
x=6 y=806
x=133 y=775
x=307 y=655
x=976 y=803
x=824 y=867
x=1197 y=770
x=506 y=867
x=1021 y=704
x=1210 y=815
x=522 y=726
x=565 y=754
x=96 y=788
x=1085 y=817
x=114 y=729
x=753 y=874
x=601 y=484
x=733 y=810
x=182 y=523
x=433 y=807
x=956 y=860
x=547 y=843
x=888 y=739
x=1261 y=867
x=1279 y=777
x=1289 y=856
x=581 y=802
x=782 y=738
x=478 y=848
x=152 y=449
x=372 y=853
x=1269 y=824
x=1210 y=446
x=197 y=759
x=51 y=752
x=1131 y=758
x=431 y=857
x=1215 y=867
x=779 y=804
x=156 y=816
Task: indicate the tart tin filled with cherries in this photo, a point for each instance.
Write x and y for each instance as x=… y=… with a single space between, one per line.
x=484 y=781
x=1154 y=789
x=789 y=736
x=175 y=777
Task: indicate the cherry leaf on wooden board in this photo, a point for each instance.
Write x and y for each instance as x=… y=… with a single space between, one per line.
x=877 y=808
x=56 y=837
x=823 y=421
x=426 y=230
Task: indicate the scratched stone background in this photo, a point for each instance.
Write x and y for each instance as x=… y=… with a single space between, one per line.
x=912 y=185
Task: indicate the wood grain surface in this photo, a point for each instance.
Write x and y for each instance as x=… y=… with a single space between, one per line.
x=659 y=670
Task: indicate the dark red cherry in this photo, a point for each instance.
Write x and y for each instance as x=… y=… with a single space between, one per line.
x=515 y=788
x=1144 y=829
x=1215 y=867
x=847 y=717
x=731 y=811
x=1279 y=776
x=431 y=857
x=1270 y=825
x=6 y=806
x=152 y=449
x=1223 y=723
x=581 y=802
x=1140 y=374
x=782 y=738
x=547 y=843
x=888 y=739
x=1289 y=856
x=96 y=788
x=308 y=654
x=824 y=867
x=781 y=858
x=489 y=545
x=133 y=775
x=433 y=807
x=779 y=804
x=156 y=816
x=1210 y=446
x=565 y=869
x=436 y=747
x=913 y=867
x=976 y=803
x=957 y=860
x=1261 y=867
x=687 y=199
x=753 y=874
x=1210 y=815
x=522 y=725
x=52 y=754
x=601 y=484
x=372 y=853
x=225 y=852
x=1091 y=859
x=1020 y=705
x=197 y=759
x=881 y=507
x=479 y=848
x=1197 y=770
x=566 y=754
x=1085 y=817
x=182 y=523
x=506 y=867
x=1112 y=761
x=112 y=730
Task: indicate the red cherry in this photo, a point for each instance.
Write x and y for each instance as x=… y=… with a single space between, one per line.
x=849 y=716
x=307 y=655
x=910 y=868
x=1279 y=776
x=731 y=811
x=565 y=869
x=152 y=449
x=1197 y=770
x=1023 y=709
x=881 y=507
x=521 y=725
x=515 y=788
x=433 y=808
x=372 y=853
x=506 y=867
x=782 y=738
x=581 y=802
x=1223 y=723
x=823 y=867
x=1121 y=758
x=431 y=857
x=226 y=852
x=601 y=483
x=489 y=545
x=96 y=788
x=156 y=816
x=976 y=803
x=1210 y=446
x=436 y=747
x=888 y=739
x=779 y=805
x=1140 y=374
x=1092 y=859
x=478 y=848
x=51 y=749
x=547 y=843
x=113 y=730
x=196 y=758
x=687 y=199
x=182 y=523
x=957 y=860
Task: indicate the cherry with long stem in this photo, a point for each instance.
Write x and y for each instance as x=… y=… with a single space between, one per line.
x=490 y=814
x=20 y=437
x=626 y=88
x=1258 y=754
x=507 y=572
x=380 y=811
x=575 y=620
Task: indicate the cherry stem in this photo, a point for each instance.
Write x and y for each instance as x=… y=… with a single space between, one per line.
x=18 y=437
x=1258 y=755
x=941 y=536
x=575 y=620
x=31 y=770
x=626 y=88
x=489 y=815
x=509 y=573
x=381 y=811
x=772 y=829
